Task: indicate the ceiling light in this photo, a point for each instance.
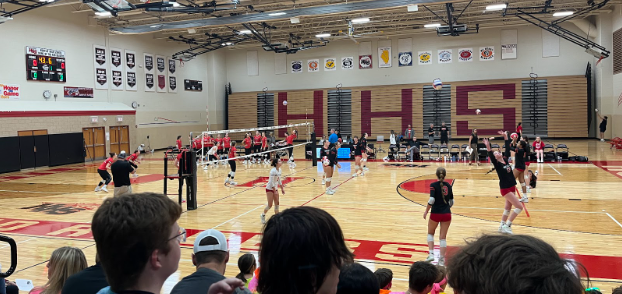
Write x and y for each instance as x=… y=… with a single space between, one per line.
x=244 y=32
x=412 y=8
x=154 y=26
x=361 y=20
x=175 y=4
x=294 y=20
x=277 y=14
x=432 y=25
x=226 y=44
x=103 y=13
x=323 y=35
x=496 y=7
x=563 y=13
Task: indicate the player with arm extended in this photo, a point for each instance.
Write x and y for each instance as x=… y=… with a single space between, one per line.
x=507 y=183
x=441 y=200
x=272 y=192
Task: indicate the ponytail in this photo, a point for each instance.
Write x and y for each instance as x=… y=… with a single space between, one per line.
x=241 y=277
x=441 y=173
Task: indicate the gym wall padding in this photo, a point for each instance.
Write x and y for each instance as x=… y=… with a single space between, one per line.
x=391 y=107
x=66 y=148
x=9 y=146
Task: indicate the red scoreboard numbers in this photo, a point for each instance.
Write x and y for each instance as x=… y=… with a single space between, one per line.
x=46 y=65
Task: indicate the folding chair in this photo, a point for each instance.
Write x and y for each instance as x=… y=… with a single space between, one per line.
x=373 y=155
x=434 y=150
x=401 y=152
x=464 y=153
x=379 y=141
x=549 y=152
x=455 y=151
x=562 y=150
x=443 y=150
x=424 y=149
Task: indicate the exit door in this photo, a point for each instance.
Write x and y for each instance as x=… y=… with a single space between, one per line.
x=120 y=139
x=94 y=143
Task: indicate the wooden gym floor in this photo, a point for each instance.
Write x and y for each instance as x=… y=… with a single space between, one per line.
x=576 y=207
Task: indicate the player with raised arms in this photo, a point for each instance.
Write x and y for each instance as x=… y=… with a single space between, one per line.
x=329 y=166
x=272 y=193
x=441 y=200
x=356 y=149
x=290 y=145
x=520 y=167
x=507 y=183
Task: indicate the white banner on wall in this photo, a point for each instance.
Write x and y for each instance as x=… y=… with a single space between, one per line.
x=313 y=65
x=117 y=80
x=487 y=53
x=465 y=55
x=330 y=64
x=161 y=74
x=172 y=75
x=149 y=73
x=100 y=61
x=347 y=63
x=509 y=44
x=280 y=63
x=406 y=59
x=445 y=56
x=296 y=66
x=252 y=63
x=9 y=92
x=384 y=57
x=130 y=71
x=425 y=57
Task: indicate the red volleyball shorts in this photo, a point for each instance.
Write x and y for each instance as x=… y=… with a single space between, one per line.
x=507 y=190
x=440 y=217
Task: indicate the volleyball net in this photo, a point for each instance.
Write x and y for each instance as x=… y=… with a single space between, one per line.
x=277 y=146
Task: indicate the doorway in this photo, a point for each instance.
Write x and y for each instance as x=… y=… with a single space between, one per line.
x=120 y=139
x=34 y=149
x=94 y=143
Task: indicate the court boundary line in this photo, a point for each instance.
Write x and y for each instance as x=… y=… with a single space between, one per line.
x=612 y=218
x=318 y=196
x=243 y=214
x=554 y=169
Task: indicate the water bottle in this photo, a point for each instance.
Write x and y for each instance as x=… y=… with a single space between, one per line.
x=559 y=159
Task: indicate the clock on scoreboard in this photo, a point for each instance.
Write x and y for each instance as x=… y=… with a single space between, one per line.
x=47 y=65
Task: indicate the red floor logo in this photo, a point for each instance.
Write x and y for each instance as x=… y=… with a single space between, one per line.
x=420 y=186
x=262 y=181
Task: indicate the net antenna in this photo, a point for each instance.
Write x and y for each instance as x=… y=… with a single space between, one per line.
x=238 y=134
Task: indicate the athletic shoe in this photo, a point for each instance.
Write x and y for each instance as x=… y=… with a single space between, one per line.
x=441 y=261
x=536 y=173
x=528 y=189
x=385 y=159
x=323 y=182
x=430 y=257
x=233 y=183
x=227 y=181
x=506 y=230
x=97 y=189
x=365 y=169
x=525 y=199
x=263 y=218
x=135 y=175
x=330 y=191
x=355 y=175
x=104 y=189
x=362 y=173
x=501 y=228
x=206 y=167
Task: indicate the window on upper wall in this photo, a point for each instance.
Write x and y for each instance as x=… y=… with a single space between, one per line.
x=617 y=52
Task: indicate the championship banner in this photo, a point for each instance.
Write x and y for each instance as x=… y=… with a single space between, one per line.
x=365 y=62
x=296 y=66
x=9 y=92
x=172 y=75
x=425 y=57
x=508 y=51
x=347 y=63
x=313 y=65
x=130 y=71
x=487 y=53
x=445 y=56
x=78 y=92
x=509 y=44
x=465 y=55
x=100 y=60
x=117 y=80
x=384 y=60
x=405 y=58
x=329 y=64
x=149 y=73
x=116 y=59
x=161 y=74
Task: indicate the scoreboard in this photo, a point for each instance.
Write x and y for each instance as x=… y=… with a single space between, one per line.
x=47 y=65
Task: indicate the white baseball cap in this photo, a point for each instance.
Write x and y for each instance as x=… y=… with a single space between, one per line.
x=219 y=245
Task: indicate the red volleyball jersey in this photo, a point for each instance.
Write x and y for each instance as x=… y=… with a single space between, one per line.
x=105 y=163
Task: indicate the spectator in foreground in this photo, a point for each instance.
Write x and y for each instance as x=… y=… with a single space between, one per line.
x=441 y=281
x=318 y=236
x=137 y=239
x=247 y=265
x=489 y=265
x=385 y=279
x=65 y=261
x=357 y=279
x=88 y=281
x=210 y=258
x=617 y=290
x=421 y=278
x=121 y=170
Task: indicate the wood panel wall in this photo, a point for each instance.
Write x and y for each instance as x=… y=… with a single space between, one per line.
x=499 y=100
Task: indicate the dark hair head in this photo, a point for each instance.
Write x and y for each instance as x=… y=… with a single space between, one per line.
x=442 y=273
x=286 y=133
x=232 y=143
x=384 y=277
x=520 y=124
x=246 y=264
x=136 y=151
x=127 y=229
x=178 y=137
x=489 y=265
x=525 y=139
x=357 y=279
x=522 y=144
x=274 y=162
x=617 y=290
x=309 y=230
x=112 y=154
x=421 y=275
x=605 y=117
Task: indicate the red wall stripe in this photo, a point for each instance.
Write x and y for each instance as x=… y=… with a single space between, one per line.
x=65 y=113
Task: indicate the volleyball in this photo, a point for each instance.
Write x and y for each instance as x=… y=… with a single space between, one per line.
x=437 y=84
x=478 y=112
x=325 y=161
x=596 y=110
x=514 y=135
x=285 y=102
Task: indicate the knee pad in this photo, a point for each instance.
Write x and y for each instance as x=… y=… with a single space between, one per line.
x=526 y=177
x=356 y=167
x=518 y=210
x=443 y=243
x=506 y=212
x=523 y=184
x=268 y=206
x=328 y=180
x=430 y=238
x=276 y=208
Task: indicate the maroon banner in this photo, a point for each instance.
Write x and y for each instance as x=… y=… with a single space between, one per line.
x=78 y=92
